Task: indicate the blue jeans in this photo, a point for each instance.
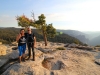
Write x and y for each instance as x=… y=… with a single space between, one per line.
x=22 y=49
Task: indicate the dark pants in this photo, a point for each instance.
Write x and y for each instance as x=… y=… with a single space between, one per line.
x=30 y=47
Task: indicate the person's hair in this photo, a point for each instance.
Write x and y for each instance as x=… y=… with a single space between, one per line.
x=22 y=29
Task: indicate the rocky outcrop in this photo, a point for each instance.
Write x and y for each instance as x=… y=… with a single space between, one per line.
x=97 y=48
x=3 y=49
x=14 y=54
x=0 y=43
x=14 y=44
x=66 y=62
x=73 y=45
x=85 y=47
x=97 y=61
x=56 y=62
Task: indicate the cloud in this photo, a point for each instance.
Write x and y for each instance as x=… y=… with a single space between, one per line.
x=78 y=10
x=7 y=19
x=5 y=16
x=0 y=20
x=80 y=14
x=65 y=14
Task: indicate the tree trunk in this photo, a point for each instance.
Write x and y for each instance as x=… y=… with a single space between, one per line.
x=45 y=38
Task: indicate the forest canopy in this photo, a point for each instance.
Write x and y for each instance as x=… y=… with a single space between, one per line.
x=8 y=35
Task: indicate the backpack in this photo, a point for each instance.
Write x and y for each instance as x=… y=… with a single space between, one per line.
x=30 y=38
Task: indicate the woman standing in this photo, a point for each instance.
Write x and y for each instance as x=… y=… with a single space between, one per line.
x=21 y=44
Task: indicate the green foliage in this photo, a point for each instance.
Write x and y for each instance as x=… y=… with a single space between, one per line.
x=4 y=41
x=57 y=33
x=8 y=35
x=64 y=38
x=60 y=48
x=23 y=21
x=61 y=32
x=47 y=30
x=76 y=42
x=51 y=31
x=97 y=46
x=85 y=44
x=40 y=24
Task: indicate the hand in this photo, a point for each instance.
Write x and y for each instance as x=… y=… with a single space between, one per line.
x=19 y=36
x=34 y=46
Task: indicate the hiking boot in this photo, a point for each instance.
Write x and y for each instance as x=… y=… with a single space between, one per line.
x=33 y=59
x=24 y=59
x=33 y=56
x=19 y=60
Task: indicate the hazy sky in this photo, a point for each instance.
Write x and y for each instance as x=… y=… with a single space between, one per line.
x=83 y=15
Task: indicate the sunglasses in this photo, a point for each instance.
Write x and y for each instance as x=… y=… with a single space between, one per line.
x=29 y=30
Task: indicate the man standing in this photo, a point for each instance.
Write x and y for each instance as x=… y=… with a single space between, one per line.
x=31 y=43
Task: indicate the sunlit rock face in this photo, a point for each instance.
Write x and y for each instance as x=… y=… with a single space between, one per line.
x=3 y=50
x=0 y=43
x=53 y=60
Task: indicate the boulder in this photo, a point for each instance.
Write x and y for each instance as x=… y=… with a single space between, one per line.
x=98 y=48
x=14 y=48
x=97 y=61
x=3 y=49
x=14 y=54
x=45 y=50
x=73 y=45
x=0 y=43
x=66 y=45
x=3 y=61
x=85 y=47
x=27 y=68
x=38 y=53
x=14 y=44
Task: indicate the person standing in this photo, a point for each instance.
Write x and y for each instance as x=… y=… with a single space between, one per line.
x=31 y=43
x=21 y=44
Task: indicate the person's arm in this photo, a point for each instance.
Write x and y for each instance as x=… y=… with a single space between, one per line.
x=34 y=42
x=18 y=37
x=26 y=35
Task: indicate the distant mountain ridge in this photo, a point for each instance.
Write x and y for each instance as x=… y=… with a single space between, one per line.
x=95 y=41
x=77 y=34
x=90 y=38
x=71 y=32
x=92 y=34
x=94 y=37
x=8 y=35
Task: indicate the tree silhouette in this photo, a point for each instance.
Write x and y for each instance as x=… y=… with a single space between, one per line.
x=40 y=24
